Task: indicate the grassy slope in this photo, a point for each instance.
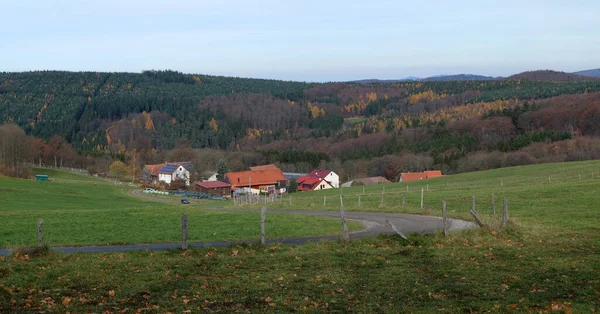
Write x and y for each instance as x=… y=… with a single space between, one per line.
x=548 y=260
x=564 y=200
x=80 y=210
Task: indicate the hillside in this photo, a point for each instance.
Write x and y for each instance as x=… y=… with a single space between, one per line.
x=546 y=260
x=161 y=115
x=81 y=210
x=594 y=73
x=548 y=75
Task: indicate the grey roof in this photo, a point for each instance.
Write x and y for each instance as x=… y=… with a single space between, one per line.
x=293 y=175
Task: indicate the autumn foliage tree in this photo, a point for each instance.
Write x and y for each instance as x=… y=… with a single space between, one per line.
x=15 y=149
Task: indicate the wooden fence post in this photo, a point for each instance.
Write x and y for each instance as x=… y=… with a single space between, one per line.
x=407 y=188
x=505 y=213
x=477 y=220
x=473 y=203
x=40 y=232
x=398 y=232
x=422 y=198
x=262 y=225
x=184 y=231
x=444 y=218
x=345 y=235
x=403 y=199
x=324 y=200
x=494 y=204
x=359 y=201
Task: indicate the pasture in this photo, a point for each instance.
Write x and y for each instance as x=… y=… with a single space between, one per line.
x=81 y=210
x=546 y=261
x=557 y=197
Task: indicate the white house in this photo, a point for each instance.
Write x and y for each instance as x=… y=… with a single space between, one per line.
x=328 y=176
x=167 y=173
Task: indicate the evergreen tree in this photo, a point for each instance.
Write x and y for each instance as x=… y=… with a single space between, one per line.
x=293 y=186
x=222 y=169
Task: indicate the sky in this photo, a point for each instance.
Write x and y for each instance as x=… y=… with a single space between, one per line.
x=326 y=40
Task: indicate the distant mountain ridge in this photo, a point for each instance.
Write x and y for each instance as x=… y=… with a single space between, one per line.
x=538 y=75
x=458 y=77
x=549 y=75
x=592 y=72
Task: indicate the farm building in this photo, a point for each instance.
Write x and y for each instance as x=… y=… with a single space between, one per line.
x=167 y=172
x=214 y=187
x=413 y=176
x=327 y=175
x=210 y=176
x=266 y=179
x=366 y=181
x=312 y=183
x=432 y=174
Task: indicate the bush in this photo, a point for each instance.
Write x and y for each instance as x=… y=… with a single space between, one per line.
x=517 y=159
x=17 y=171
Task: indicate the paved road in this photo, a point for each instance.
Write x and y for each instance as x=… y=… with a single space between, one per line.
x=374 y=223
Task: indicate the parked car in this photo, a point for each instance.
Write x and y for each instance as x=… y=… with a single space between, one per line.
x=184 y=201
x=148 y=190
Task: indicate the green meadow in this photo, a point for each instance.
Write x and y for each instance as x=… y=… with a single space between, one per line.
x=81 y=210
x=547 y=259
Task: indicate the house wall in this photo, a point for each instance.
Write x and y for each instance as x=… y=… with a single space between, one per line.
x=213 y=177
x=226 y=191
x=323 y=186
x=165 y=177
x=183 y=174
x=334 y=179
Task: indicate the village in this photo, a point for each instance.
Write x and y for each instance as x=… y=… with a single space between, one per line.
x=258 y=180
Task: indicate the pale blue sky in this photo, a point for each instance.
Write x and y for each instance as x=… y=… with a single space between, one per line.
x=301 y=40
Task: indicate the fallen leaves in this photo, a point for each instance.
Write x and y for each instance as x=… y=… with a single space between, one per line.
x=111 y=293
x=66 y=301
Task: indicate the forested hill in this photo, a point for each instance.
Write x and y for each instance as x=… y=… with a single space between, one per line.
x=155 y=110
x=549 y=75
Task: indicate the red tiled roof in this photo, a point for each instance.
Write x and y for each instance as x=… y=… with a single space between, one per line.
x=312 y=182
x=433 y=173
x=154 y=169
x=319 y=173
x=264 y=167
x=308 y=180
x=213 y=184
x=264 y=177
x=412 y=176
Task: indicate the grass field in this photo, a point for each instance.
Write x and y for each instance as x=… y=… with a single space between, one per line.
x=80 y=210
x=548 y=196
x=547 y=260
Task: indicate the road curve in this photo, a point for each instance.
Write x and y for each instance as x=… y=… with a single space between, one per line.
x=374 y=223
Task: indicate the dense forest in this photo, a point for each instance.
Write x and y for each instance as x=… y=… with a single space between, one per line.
x=91 y=119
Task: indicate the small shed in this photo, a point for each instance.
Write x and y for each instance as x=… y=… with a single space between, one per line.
x=214 y=187
x=41 y=177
